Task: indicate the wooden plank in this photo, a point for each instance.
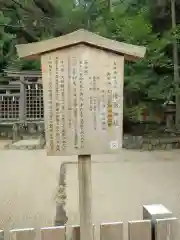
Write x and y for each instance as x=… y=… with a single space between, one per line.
x=75 y=232
x=112 y=231
x=53 y=233
x=83 y=102
x=23 y=234
x=139 y=230
x=167 y=229
x=85 y=197
x=80 y=36
x=10 y=86
x=5 y=95
x=23 y=73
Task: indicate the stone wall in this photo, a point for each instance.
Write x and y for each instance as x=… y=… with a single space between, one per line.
x=129 y=142
x=151 y=143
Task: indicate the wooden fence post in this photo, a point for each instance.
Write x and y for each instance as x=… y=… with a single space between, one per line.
x=153 y=212
x=53 y=233
x=76 y=232
x=23 y=234
x=138 y=230
x=112 y=231
x=85 y=197
x=167 y=229
x=22 y=100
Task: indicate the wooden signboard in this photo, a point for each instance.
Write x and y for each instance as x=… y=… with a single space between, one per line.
x=82 y=75
x=83 y=96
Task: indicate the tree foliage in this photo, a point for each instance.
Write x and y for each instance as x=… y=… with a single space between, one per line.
x=141 y=22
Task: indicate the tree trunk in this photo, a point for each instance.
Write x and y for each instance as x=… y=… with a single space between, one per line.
x=176 y=65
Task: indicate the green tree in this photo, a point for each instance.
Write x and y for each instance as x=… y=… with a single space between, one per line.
x=6 y=42
x=135 y=22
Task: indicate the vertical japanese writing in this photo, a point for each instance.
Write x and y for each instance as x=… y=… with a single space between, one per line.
x=108 y=77
x=94 y=103
x=81 y=81
x=62 y=107
x=58 y=105
x=114 y=77
x=109 y=96
x=115 y=98
x=70 y=77
x=110 y=110
x=103 y=107
x=49 y=105
x=74 y=83
x=91 y=103
x=90 y=97
x=86 y=70
x=93 y=100
x=116 y=108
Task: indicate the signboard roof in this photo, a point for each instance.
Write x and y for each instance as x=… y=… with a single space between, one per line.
x=34 y=50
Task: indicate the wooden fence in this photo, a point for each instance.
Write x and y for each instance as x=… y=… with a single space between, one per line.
x=164 y=229
x=21 y=104
x=21 y=97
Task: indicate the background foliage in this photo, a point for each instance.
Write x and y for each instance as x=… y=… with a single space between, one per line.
x=141 y=22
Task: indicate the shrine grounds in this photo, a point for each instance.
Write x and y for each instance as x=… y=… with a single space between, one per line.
x=121 y=185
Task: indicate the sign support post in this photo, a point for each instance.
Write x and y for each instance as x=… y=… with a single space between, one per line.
x=85 y=197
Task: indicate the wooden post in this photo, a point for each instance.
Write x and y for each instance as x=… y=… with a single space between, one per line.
x=112 y=231
x=22 y=100
x=15 y=132
x=21 y=234
x=85 y=198
x=75 y=234
x=167 y=228
x=139 y=230
x=53 y=233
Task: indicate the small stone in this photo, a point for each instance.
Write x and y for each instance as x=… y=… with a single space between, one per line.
x=150 y=147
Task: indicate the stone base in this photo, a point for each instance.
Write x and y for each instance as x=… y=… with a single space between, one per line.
x=151 y=143
x=129 y=142
x=28 y=144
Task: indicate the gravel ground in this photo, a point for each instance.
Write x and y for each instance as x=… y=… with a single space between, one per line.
x=121 y=185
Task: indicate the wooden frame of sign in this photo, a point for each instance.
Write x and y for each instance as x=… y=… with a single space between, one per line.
x=83 y=77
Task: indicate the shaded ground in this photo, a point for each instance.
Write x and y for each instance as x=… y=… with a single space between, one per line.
x=121 y=185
